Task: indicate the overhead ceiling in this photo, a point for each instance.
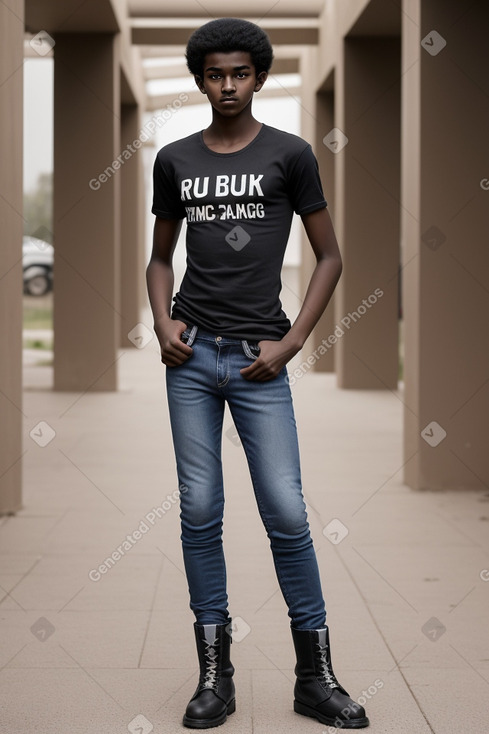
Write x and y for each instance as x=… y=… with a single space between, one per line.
x=161 y=30
x=210 y=9
x=72 y=16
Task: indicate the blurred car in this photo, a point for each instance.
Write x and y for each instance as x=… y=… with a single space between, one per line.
x=37 y=263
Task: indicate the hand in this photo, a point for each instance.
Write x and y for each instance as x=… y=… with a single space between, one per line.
x=173 y=349
x=273 y=356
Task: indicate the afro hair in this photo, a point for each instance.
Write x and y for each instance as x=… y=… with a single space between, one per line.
x=225 y=35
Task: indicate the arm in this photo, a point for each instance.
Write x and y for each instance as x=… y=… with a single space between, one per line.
x=160 y=279
x=275 y=354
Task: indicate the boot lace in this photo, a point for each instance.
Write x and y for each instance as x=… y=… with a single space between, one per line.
x=325 y=671
x=211 y=658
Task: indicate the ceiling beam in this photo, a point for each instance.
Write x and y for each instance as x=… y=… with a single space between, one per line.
x=172 y=71
x=73 y=16
x=171 y=50
x=161 y=31
x=214 y=9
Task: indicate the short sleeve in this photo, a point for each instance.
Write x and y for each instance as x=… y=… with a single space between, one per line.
x=304 y=184
x=167 y=203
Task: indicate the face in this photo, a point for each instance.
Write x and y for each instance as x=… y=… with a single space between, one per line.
x=229 y=81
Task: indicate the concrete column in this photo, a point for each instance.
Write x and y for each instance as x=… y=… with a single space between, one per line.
x=324 y=123
x=11 y=219
x=133 y=220
x=86 y=211
x=367 y=151
x=316 y=121
x=445 y=199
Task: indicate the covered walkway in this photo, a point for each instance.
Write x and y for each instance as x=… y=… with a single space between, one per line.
x=96 y=629
x=404 y=573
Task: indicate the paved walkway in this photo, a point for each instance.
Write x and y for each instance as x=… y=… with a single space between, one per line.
x=405 y=574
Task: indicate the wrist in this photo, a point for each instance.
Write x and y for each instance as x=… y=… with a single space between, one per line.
x=293 y=340
x=161 y=321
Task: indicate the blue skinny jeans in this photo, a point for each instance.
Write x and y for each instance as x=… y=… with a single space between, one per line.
x=264 y=419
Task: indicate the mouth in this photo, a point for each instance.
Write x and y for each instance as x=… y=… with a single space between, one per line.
x=227 y=100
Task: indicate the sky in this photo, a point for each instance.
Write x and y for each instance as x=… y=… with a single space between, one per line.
x=38 y=119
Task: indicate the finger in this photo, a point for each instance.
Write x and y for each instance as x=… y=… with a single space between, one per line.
x=255 y=372
x=172 y=361
x=174 y=356
x=179 y=347
x=247 y=372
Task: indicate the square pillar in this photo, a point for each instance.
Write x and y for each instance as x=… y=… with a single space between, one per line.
x=325 y=327
x=11 y=218
x=445 y=199
x=367 y=151
x=316 y=120
x=133 y=255
x=86 y=211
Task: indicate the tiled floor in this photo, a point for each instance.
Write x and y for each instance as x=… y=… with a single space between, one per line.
x=406 y=589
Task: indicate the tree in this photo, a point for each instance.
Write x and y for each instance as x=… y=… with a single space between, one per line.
x=38 y=209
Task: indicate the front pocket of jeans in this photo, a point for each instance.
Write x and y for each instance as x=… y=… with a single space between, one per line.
x=251 y=350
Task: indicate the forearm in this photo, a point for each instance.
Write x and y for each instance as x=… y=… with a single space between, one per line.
x=160 y=281
x=321 y=287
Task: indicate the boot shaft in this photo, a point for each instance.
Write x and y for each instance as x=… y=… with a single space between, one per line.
x=313 y=653
x=317 y=692
x=213 y=647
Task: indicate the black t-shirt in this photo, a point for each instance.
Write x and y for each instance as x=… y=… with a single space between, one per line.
x=239 y=209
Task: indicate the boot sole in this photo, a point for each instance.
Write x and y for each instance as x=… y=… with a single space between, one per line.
x=301 y=708
x=207 y=723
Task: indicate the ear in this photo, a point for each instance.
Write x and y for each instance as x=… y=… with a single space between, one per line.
x=260 y=80
x=199 y=83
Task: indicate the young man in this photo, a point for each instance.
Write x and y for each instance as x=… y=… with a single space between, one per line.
x=227 y=338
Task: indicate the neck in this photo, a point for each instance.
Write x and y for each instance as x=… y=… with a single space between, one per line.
x=231 y=129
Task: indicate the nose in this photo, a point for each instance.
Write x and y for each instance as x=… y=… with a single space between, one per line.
x=228 y=84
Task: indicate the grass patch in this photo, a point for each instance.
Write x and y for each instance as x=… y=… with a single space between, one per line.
x=38 y=312
x=37 y=344
x=37 y=318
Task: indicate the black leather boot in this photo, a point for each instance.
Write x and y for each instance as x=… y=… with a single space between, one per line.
x=317 y=693
x=214 y=698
